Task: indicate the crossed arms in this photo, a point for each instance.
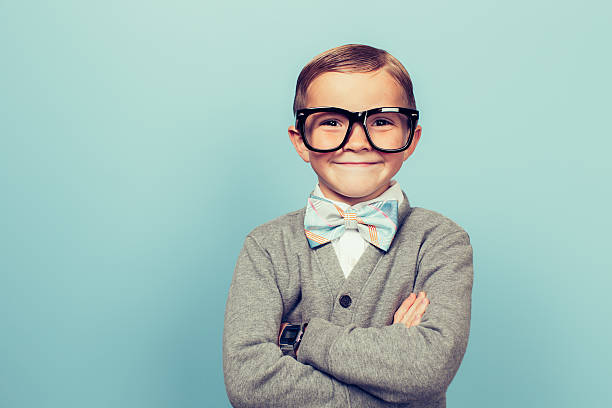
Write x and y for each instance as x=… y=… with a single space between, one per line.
x=394 y=363
x=409 y=313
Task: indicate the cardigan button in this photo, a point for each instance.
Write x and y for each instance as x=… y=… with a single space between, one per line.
x=345 y=301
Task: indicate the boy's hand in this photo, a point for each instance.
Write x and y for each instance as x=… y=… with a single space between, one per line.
x=411 y=310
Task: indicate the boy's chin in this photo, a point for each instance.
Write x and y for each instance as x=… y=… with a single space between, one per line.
x=359 y=193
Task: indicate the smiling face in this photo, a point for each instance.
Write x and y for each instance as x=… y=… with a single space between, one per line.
x=356 y=172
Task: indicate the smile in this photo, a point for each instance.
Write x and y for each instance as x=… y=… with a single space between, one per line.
x=357 y=164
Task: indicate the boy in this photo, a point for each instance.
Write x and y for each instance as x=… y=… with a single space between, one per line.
x=338 y=277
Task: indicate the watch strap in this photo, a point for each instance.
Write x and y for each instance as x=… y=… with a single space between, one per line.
x=298 y=341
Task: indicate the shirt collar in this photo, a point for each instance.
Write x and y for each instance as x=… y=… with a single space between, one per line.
x=394 y=192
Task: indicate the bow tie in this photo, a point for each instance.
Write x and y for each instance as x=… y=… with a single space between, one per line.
x=325 y=221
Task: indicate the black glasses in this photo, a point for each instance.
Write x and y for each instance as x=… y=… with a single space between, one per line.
x=326 y=129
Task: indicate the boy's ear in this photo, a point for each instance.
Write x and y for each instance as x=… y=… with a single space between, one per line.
x=298 y=143
x=415 y=139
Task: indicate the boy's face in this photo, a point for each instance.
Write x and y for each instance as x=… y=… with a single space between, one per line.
x=356 y=172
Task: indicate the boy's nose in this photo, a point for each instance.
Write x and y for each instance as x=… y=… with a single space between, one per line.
x=357 y=138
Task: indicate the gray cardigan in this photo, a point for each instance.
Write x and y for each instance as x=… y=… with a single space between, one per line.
x=351 y=354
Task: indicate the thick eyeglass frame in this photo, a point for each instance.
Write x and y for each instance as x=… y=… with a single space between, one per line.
x=361 y=117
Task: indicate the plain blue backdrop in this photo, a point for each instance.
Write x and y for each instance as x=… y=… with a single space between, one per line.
x=142 y=140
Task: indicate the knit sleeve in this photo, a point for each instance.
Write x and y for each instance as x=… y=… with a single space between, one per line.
x=396 y=363
x=256 y=373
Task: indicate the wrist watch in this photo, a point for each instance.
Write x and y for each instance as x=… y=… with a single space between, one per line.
x=290 y=338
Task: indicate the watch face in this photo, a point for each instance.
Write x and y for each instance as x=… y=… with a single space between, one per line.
x=289 y=334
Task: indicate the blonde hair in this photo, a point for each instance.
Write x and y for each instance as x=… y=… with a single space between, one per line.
x=352 y=58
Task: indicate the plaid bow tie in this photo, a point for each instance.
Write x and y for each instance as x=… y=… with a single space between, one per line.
x=325 y=221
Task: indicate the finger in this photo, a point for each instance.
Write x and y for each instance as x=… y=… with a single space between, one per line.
x=421 y=311
x=403 y=308
x=401 y=311
x=412 y=312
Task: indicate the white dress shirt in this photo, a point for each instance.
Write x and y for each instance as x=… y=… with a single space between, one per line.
x=350 y=246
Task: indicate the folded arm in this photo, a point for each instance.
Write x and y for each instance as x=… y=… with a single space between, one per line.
x=255 y=371
x=396 y=363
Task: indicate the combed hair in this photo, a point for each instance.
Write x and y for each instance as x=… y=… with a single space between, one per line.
x=352 y=58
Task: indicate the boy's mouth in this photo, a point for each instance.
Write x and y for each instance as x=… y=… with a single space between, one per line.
x=357 y=163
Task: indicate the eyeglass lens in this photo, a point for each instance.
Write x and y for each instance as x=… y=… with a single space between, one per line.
x=388 y=130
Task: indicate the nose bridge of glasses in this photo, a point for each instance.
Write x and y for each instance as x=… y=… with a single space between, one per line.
x=358 y=121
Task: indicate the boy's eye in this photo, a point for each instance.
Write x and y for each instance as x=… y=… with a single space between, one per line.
x=381 y=122
x=330 y=122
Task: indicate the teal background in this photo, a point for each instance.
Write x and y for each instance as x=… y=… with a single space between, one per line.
x=142 y=140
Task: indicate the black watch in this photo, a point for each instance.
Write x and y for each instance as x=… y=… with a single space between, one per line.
x=290 y=338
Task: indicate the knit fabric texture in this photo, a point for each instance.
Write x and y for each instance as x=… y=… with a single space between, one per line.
x=351 y=355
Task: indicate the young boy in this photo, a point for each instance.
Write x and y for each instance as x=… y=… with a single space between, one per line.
x=338 y=277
